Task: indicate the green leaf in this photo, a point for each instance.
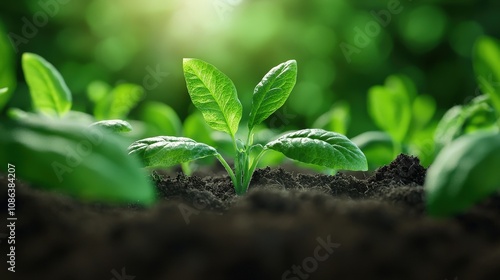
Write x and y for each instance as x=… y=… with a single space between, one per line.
x=463 y=173
x=3 y=91
x=337 y=119
x=118 y=103
x=166 y=151
x=214 y=94
x=487 y=68
x=390 y=107
x=88 y=163
x=320 y=147
x=114 y=125
x=7 y=68
x=162 y=119
x=49 y=93
x=272 y=92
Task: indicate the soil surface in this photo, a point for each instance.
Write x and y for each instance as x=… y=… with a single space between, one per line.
x=289 y=226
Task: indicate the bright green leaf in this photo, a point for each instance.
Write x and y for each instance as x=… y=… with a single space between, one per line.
x=272 y=92
x=114 y=125
x=320 y=147
x=88 y=163
x=214 y=94
x=487 y=68
x=3 y=91
x=390 y=108
x=49 y=93
x=118 y=103
x=463 y=173
x=97 y=91
x=166 y=151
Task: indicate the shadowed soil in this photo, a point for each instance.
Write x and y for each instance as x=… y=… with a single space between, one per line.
x=289 y=226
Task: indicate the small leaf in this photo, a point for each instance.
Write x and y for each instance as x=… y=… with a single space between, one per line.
x=487 y=68
x=272 y=92
x=322 y=148
x=114 y=125
x=463 y=173
x=3 y=90
x=118 y=103
x=49 y=93
x=214 y=94
x=390 y=107
x=166 y=151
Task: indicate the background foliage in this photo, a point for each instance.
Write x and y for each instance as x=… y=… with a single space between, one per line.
x=143 y=42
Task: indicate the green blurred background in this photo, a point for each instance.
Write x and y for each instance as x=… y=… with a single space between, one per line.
x=128 y=41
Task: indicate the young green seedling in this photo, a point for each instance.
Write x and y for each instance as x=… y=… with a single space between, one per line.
x=214 y=94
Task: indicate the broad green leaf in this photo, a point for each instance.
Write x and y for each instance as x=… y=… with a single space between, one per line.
x=166 y=151
x=88 y=163
x=320 y=147
x=377 y=146
x=214 y=94
x=463 y=173
x=49 y=93
x=272 y=92
x=162 y=119
x=390 y=108
x=7 y=68
x=114 y=125
x=487 y=68
x=337 y=119
x=118 y=103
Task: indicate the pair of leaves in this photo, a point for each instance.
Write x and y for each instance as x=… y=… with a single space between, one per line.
x=214 y=94
x=463 y=173
x=115 y=103
x=314 y=146
x=87 y=162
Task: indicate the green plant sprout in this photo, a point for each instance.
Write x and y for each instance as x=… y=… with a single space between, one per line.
x=466 y=169
x=214 y=94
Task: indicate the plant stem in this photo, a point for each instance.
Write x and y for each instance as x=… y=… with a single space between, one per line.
x=228 y=168
x=251 y=170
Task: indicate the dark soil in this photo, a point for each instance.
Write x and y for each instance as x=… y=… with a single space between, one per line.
x=289 y=226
